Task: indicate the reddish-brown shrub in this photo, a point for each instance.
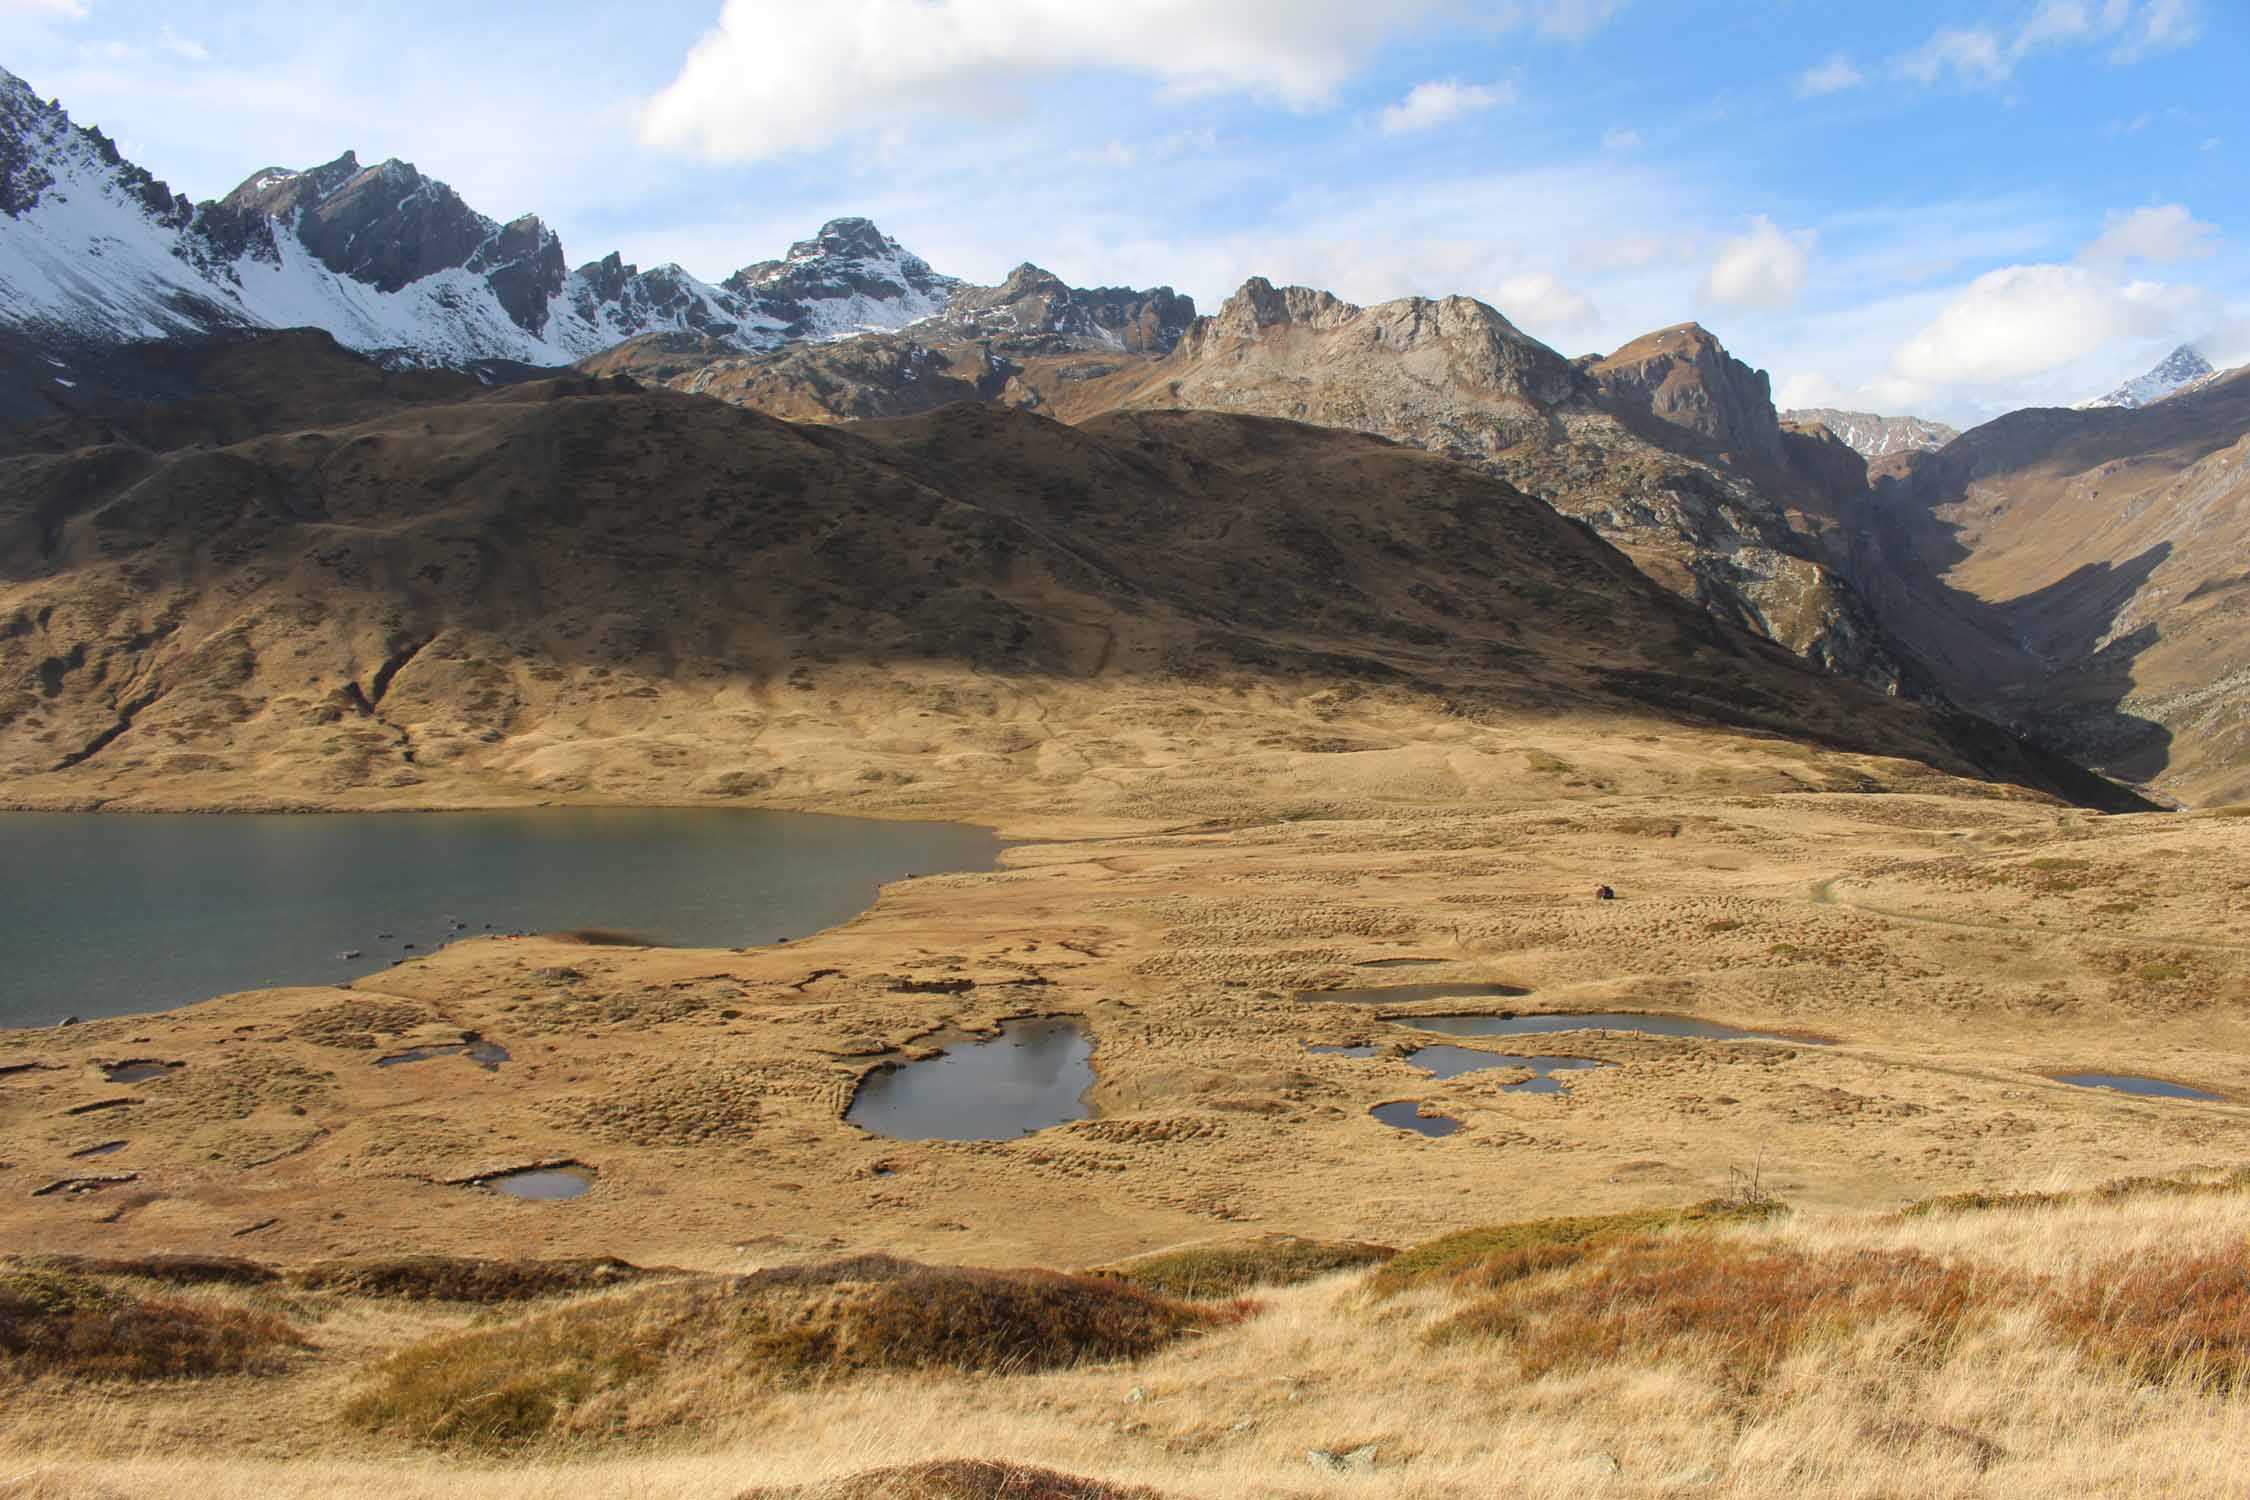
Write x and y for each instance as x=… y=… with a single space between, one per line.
x=1746 y=1307
x=959 y=1479
x=2180 y=1319
x=57 y=1324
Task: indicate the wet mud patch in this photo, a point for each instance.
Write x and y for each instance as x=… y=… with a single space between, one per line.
x=1413 y=994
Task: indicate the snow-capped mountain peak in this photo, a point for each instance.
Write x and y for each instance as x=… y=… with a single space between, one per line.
x=2183 y=367
x=95 y=251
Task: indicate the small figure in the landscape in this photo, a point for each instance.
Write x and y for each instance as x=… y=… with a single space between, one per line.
x=1604 y=893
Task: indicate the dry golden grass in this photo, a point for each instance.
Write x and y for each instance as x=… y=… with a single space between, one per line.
x=1230 y=1268
x=2079 y=1347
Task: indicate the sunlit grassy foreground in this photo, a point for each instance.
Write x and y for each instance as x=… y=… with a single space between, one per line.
x=2076 y=1344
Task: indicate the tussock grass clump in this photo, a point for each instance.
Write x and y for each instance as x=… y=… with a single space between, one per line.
x=1440 y=1261
x=172 y=1270
x=56 y=1323
x=958 y=1479
x=654 y=1356
x=1230 y=1269
x=2177 y=1320
x=454 y=1278
x=1745 y=1308
x=2182 y=1186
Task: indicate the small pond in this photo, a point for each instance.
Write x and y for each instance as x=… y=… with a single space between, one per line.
x=1451 y=1062
x=1406 y=1114
x=1646 y=1025
x=1414 y=994
x=137 y=1070
x=486 y=1055
x=2126 y=1083
x=1324 y=1049
x=542 y=1183
x=1032 y=1075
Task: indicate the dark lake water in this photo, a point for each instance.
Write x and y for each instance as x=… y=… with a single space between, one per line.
x=1033 y=1075
x=109 y=914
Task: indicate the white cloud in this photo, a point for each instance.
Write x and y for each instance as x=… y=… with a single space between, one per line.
x=2028 y=320
x=1566 y=20
x=1983 y=57
x=2161 y=26
x=1831 y=77
x=2166 y=233
x=73 y=8
x=771 y=79
x=1540 y=303
x=1974 y=56
x=1440 y=102
x=1619 y=138
x=1762 y=269
x=1807 y=388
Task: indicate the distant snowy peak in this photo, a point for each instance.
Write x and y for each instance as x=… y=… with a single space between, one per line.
x=2183 y=367
x=1874 y=436
x=96 y=251
x=849 y=278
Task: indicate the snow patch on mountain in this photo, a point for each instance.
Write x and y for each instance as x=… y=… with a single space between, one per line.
x=93 y=250
x=2182 y=368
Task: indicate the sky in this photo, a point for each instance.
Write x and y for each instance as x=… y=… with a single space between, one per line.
x=1945 y=209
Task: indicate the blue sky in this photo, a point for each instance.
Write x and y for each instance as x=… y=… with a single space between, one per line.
x=1952 y=209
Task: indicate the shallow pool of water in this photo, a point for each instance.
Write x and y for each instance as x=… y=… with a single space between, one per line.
x=1647 y=1025
x=109 y=914
x=1033 y=1075
x=543 y=1183
x=1363 y=1049
x=486 y=1055
x=1406 y=1114
x=1444 y=1061
x=1413 y=994
x=2126 y=1083
x=138 y=1070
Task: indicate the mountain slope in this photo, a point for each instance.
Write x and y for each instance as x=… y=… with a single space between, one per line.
x=588 y=588
x=2085 y=574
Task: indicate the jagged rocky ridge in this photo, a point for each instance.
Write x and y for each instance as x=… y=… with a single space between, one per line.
x=1873 y=436
x=95 y=253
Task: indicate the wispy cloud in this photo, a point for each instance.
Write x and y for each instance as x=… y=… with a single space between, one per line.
x=1621 y=138
x=1834 y=76
x=2164 y=233
x=1986 y=56
x=1440 y=102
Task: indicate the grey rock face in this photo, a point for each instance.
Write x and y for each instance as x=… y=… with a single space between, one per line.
x=1033 y=302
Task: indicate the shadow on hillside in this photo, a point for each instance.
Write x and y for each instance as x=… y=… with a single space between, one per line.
x=2044 y=662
